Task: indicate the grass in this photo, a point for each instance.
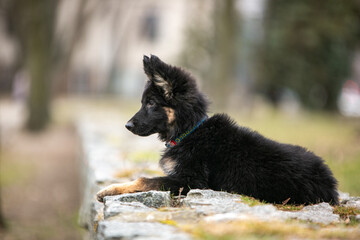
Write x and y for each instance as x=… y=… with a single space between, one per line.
x=144 y=156
x=252 y=229
x=169 y=222
x=12 y=172
x=127 y=173
x=346 y=212
x=250 y=201
x=289 y=207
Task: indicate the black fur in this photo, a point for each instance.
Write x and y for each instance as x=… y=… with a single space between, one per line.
x=219 y=154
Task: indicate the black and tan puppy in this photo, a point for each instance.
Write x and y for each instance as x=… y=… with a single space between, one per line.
x=214 y=152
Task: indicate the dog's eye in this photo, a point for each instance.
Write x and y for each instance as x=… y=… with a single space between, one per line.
x=150 y=104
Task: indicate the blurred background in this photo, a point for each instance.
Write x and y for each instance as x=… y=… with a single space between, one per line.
x=289 y=69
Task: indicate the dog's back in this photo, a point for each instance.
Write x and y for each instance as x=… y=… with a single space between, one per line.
x=244 y=161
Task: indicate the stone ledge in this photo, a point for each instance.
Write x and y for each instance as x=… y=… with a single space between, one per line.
x=138 y=230
x=152 y=215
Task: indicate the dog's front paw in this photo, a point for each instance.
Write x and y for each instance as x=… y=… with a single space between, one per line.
x=108 y=191
x=116 y=189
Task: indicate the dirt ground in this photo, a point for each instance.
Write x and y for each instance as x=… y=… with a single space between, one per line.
x=39 y=181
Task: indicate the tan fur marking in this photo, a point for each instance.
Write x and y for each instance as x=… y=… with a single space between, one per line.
x=170 y=114
x=138 y=185
x=168 y=165
x=161 y=82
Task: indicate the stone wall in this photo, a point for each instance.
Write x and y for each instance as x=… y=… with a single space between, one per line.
x=107 y=150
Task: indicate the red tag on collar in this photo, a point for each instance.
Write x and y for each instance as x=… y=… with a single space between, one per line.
x=172 y=143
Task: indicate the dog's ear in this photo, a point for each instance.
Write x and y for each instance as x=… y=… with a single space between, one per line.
x=156 y=70
x=147 y=67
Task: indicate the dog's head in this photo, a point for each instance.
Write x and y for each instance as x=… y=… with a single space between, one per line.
x=170 y=104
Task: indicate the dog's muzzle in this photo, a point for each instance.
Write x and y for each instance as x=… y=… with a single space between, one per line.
x=129 y=125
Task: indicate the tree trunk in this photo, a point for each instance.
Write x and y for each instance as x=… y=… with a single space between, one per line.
x=225 y=50
x=32 y=25
x=38 y=60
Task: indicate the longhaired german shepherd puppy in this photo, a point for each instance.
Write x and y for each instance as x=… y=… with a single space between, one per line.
x=214 y=152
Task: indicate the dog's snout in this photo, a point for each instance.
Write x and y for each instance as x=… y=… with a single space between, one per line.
x=129 y=125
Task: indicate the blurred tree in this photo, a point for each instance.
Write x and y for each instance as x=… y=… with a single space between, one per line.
x=2 y=221
x=199 y=38
x=68 y=41
x=308 y=48
x=211 y=49
x=32 y=24
x=224 y=61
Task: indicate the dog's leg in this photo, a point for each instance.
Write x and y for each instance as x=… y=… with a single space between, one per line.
x=142 y=185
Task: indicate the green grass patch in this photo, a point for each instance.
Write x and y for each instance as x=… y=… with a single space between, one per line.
x=252 y=229
x=346 y=212
x=13 y=172
x=251 y=201
x=348 y=175
x=144 y=156
x=127 y=173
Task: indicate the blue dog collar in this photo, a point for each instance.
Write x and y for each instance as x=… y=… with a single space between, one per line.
x=177 y=140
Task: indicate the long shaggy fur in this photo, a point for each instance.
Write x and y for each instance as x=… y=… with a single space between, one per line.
x=220 y=154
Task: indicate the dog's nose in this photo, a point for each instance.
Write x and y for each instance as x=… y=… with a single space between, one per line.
x=129 y=125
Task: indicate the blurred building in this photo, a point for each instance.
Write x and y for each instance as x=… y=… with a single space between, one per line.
x=116 y=35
